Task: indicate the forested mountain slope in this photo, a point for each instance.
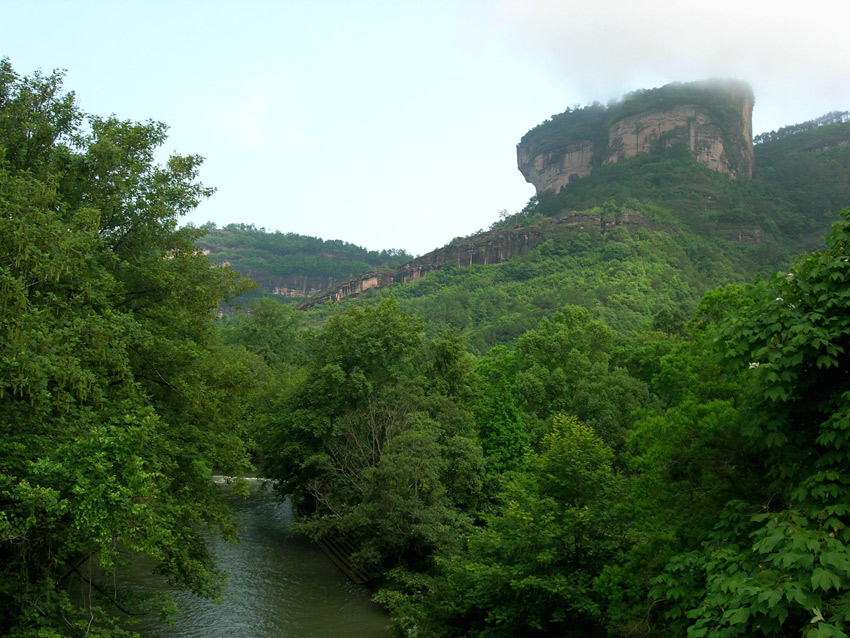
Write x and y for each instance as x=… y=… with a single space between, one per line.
x=694 y=228
x=689 y=229
x=288 y=264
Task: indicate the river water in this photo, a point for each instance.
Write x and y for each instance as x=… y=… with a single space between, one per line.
x=278 y=586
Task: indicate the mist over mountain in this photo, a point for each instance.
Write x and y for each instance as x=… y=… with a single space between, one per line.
x=642 y=206
x=620 y=411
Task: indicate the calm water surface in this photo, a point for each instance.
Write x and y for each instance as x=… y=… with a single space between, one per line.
x=278 y=585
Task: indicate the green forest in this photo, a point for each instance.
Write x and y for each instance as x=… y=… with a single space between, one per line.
x=641 y=431
x=272 y=259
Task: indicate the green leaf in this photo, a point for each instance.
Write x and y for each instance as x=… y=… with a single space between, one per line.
x=824 y=579
x=737 y=616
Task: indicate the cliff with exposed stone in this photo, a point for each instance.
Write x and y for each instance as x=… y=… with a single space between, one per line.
x=493 y=247
x=713 y=120
x=294 y=286
x=352 y=287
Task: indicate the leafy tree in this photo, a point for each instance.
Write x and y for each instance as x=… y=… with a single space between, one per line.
x=531 y=570
x=111 y=407
x=564 y=367
x=686 y=455
x=781 y=565
x=268 y=329
x=374 y=440
x=504 y=437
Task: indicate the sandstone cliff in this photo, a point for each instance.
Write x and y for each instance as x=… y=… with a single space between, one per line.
x=552 y=170
x=492 y=247
x=294 y=286
x=352 y=287
x=713 y=120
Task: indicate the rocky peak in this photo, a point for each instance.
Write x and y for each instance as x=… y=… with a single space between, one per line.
x=712 y=119
x=492 y=247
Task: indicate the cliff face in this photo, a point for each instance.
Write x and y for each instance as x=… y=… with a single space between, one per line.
x=293 y=286
x=492 y=247
x=351 y=287
x=555 y=169
x=713 y=120
x=685 y=124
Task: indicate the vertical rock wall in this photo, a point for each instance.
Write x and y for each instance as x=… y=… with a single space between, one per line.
x=718 y=132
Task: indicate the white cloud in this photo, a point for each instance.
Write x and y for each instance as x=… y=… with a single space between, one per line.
x=797 y=57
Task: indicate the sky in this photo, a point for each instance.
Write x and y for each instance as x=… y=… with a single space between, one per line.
x=392 y=124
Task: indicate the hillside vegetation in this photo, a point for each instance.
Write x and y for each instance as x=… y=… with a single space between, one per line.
x=610 y=434
x=700 y=230
x=289 y=264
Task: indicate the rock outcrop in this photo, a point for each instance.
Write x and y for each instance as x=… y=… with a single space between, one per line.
x=352 y=287
x=295 y=286
x=713 y=120
x=555 y=169
x=493 y=247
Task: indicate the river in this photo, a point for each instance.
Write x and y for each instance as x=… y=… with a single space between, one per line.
x=278 y=586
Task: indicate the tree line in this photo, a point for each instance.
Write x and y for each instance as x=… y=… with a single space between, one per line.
x=685 y=475
x=688 y=478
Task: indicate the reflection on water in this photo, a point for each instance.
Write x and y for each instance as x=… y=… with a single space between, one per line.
x=278 y=585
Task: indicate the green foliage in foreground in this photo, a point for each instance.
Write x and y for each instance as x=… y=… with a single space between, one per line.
x=782 y=564
x=530 y=570
x=373 y=437
x=681 y=480
x=397 y=442
x=114 y=401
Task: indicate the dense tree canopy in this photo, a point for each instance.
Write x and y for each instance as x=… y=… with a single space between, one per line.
x=112 y=406
x=373 y=438
x=619 y=458
x=531 y=570
x=781 y=564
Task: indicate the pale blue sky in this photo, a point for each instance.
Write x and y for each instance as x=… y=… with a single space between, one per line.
x=394 y=124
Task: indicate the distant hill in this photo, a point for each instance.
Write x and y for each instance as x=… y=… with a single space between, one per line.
x=807 y=166
x=634 y=240
x=288 y=265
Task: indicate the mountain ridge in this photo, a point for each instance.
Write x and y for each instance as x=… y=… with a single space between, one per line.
x=712 y=119
x=748 y=226
x=491 y=247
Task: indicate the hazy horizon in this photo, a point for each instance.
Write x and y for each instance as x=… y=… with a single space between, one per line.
x=394 y=125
